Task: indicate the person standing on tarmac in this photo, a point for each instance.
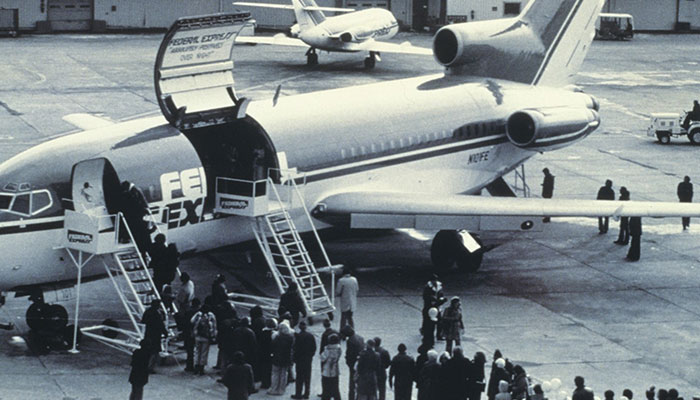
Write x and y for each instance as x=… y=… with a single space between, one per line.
x=636 y=234
x=685 y=195
x=139 y=371
x=605 y=193
x=292 y=303
x=354 y=345
x=347 y=291
x=624 y=237
x=303 y=353
x=385 y=362
x=432 y=298
x=547 y=188
x=402 y=374
x=154 y=320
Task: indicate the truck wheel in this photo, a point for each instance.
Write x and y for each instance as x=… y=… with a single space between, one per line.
x=694 y=137
x=664 y=138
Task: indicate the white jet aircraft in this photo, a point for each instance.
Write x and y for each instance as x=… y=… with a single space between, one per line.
x=409 y=153
x=356 y=31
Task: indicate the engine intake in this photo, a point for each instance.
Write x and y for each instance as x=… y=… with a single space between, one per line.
x=550 y=129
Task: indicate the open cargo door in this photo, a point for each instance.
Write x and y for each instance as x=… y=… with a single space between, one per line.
x=194 y=71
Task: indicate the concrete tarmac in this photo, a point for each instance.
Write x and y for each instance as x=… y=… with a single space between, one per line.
x=562 y=302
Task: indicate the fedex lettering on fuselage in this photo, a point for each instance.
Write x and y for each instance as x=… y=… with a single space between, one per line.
x=183 y=197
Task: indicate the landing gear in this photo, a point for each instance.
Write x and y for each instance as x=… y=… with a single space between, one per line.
x=46 y=317
x=371 y=59
x=448 y=249
x=311 y=57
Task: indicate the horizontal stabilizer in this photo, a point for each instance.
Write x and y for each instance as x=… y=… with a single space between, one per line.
x=399 y=48
x=291 y=7
x=87 y=121
x=279 y=39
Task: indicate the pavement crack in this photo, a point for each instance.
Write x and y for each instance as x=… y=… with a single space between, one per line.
x=9 y=109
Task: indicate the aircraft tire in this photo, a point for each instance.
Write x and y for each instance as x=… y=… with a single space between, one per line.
x=467 y=261
x=694 y=137
x=369 y=62
x=442 y=250
x=35 y=316
x=312 y=59
x=56 y=318
x=68 y=335
x=108 y=333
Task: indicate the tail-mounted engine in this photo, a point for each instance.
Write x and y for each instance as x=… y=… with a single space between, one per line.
x=356 y=33
x=549 y=129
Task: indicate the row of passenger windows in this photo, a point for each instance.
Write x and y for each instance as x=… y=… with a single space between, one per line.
x=471 y=131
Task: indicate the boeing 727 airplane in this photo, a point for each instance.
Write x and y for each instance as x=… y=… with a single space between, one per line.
x=217 y=169
x=355 y=31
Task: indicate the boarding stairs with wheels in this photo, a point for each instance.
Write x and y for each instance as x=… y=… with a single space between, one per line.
x=271 y=208
x=88 y=237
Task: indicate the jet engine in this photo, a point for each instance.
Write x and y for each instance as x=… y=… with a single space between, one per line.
x=357 y=33
x=549 y=129
x=486 y=48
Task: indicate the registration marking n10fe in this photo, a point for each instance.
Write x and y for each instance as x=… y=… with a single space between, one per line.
x=478 y=157
x=183 y=197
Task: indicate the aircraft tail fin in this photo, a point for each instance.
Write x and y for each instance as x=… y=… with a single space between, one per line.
x=566 y=29
x=307 y=18
x=544 y=45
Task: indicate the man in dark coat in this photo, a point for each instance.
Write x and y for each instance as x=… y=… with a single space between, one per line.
x=219 y=294
x=428 y=378
x=385 y=362
x=257 y=324
x=547 y=188
x=265 y=353
x=401 y=374
x=304 y=350
x=154 y=321
x=432 y=298
x=456 y=371
x=244 y=341
x=624 y=236
x=581 y=392
x=476 y=379
x=368 y=366
x=498 y=373
x=157 y=254
x=636 y=234
x=292 y=303
x=239 y=378
x=139 y=370
x=134 y=207
x=605 y=193
x=354 y=345
x=685 y=195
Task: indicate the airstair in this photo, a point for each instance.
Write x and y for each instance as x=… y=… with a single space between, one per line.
x=89 y=236
x=273 y=209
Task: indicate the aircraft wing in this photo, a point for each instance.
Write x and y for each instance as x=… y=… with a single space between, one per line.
x=429 y=211
x=279 y=39
x=401 y=48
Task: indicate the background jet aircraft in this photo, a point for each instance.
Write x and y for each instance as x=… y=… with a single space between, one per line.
x=356 y=31
x=406 y=153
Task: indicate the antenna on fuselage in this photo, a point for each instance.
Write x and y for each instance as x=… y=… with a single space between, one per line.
x=277 y=95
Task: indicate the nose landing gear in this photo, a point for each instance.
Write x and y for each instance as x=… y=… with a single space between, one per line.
x=371 y=59
x=9 y=325
x=49 y=326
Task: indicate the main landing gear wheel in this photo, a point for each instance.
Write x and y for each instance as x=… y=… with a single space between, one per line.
x=447 y=250
x=370 y=62
x=663 y=138
x=41 y=316
x=694 y=137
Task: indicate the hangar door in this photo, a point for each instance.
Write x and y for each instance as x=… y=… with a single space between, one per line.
x=70 y=15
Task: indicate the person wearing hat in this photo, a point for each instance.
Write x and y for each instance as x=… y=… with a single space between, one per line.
x=432 y=298
x=452 y=324
x=547 y=188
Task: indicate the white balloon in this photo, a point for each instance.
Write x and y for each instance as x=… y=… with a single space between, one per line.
x=556 y=383
x=596 y=398
x=546 y=386
x=562 y=394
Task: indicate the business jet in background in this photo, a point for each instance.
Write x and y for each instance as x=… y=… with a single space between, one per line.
x=356 y=31
x=408 y=153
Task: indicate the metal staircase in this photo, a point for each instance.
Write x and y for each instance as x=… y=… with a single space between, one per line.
x=279 y=239
x=88 y=236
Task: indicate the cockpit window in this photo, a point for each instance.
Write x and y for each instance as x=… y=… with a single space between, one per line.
x=21 y=204
x=10 y=187
x=25 y=204
x=40 y=201
x=5 y=201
